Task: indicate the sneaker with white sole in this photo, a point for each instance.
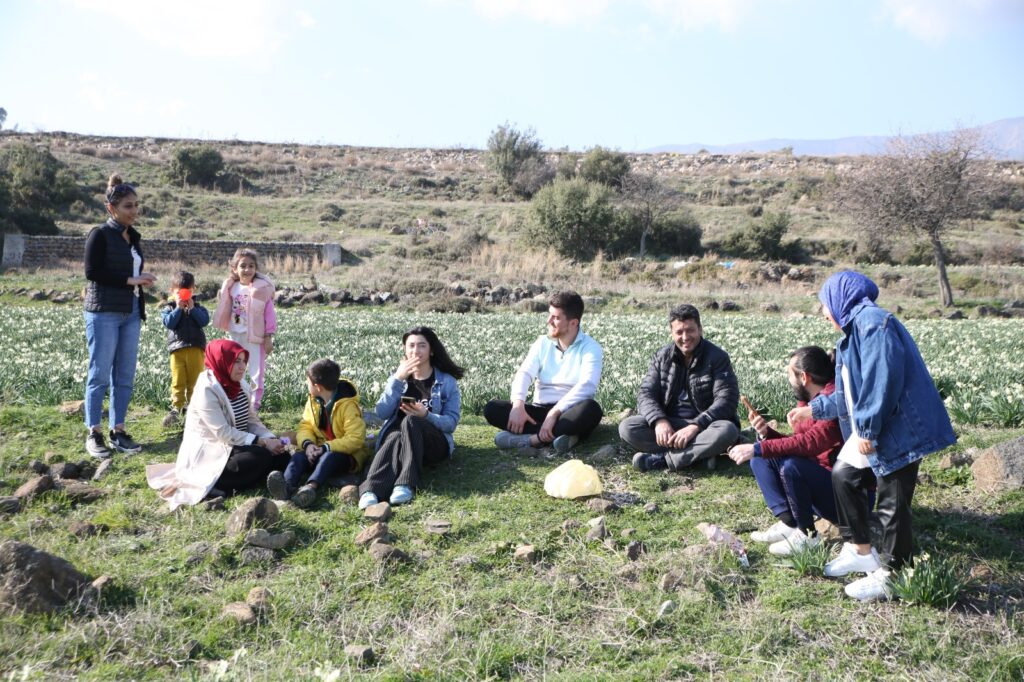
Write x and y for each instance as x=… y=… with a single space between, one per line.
x=123 y=442
x=649 y=461
x=96 y=447
x=304 y=497
x=796 y=541
x=506 y=440
x=849 y=561
x=277 y=486
x=564 y=443
x=367 y=499
x=873 y=586
x=401 y=494
x=779 y=531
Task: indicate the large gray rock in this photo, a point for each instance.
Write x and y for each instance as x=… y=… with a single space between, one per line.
x=1001 y=467
x=34 y=487
x=255 y=512
x=34 y=581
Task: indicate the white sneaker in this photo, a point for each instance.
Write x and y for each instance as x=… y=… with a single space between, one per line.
x=796 y=541
x=779 y=531
x=507 y=440
x=871 y=587
x=367 y=499
x=849 y=561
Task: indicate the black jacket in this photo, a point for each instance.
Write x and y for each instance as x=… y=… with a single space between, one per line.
x=108 y=265
x=713 y=387
x=185 y=330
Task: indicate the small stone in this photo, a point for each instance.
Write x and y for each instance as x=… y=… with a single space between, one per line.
x=197 y=553
x=102 y=469
x=383 y=552
x=956 y=459
x=349 y=494
x=628 y=532
x=214 y=503
x=526 y=554
x=598 y=531
x=827 y=531
x=257 y=555
x=71 y=408
x=86 y=469
x=255 y=512
x=258 y=598
x=981 y=572
x=570 y=525
x=605 y=454
x=34 y=581
x=259 y=537
x=38 y=467
x=102 y=582
x=601 y=505
x=84 y=529
x=360 y=653
x=464 y=560
x=634 y=549
x=670 y=581
x=240 y=612
x=667 y=607
x=376 y=531
x=65 y=470
x=77 y=491
x=378 y=512
x=438 y=526
x=650 y=508
x=34 y=487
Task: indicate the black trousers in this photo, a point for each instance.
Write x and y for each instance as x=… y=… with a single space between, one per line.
x=402 y=453
x=578 y=420
x=895 y=492
x=247 y=468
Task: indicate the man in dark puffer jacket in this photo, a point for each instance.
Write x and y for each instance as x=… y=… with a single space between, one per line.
x=687 y=402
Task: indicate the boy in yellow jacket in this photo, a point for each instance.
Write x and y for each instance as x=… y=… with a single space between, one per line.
x=331 y=436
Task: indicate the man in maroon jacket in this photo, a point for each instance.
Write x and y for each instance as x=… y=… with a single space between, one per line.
x=795 y=472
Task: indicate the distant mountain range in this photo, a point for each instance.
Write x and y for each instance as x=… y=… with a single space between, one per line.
x=1006 y=139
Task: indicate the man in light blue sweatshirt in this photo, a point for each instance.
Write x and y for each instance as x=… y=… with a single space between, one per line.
x=565 y=366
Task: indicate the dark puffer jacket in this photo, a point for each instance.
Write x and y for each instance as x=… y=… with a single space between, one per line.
x=185 y=330
x=713 y=387
x=108 y=265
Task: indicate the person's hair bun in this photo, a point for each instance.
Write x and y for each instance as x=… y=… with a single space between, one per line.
x=114 y=181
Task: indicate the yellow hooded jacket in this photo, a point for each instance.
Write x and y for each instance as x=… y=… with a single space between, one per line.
x=347 y=425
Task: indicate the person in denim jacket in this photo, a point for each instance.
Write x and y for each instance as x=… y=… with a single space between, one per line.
x=891 y=416
x=421 y=406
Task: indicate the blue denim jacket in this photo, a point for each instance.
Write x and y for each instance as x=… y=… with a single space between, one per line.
x=443 y=409
x=895 y=402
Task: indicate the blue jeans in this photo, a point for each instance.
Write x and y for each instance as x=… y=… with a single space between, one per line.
x=798 y=485
x=113 y=342
x=326 y=467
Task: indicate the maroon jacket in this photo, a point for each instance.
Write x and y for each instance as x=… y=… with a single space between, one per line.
x=818 y=439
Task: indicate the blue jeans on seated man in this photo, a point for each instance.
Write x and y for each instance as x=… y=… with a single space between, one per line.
x=798 y=485
x=113 y=343
x=326 y=467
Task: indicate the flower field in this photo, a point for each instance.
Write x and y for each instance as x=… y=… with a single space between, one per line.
x=976 y=364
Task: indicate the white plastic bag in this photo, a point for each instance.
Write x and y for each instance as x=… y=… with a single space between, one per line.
x=573 y=479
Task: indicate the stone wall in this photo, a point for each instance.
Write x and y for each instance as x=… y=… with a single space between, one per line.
x=34 y=251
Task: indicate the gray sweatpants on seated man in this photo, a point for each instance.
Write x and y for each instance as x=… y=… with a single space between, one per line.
x=718 y=437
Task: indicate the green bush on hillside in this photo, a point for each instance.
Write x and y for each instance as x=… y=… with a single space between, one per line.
x=196 y=165
x=763 y=240
x=676 y=234
x=509 y=149
x=605 y=166
x=574 y=217
x=34 y=186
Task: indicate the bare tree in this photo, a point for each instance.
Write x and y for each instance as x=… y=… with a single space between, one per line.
x=920 y=189
x=649 y=199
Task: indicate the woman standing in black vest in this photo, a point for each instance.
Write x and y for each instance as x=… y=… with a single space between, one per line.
x=114 y=311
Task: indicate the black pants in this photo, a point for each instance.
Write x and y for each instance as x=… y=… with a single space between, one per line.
x=402 y=453
x=247 y=468
x=895 y=492
x=578 y=420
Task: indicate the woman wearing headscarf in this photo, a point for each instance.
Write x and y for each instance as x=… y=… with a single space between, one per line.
x=225 y=447
x=891 y=416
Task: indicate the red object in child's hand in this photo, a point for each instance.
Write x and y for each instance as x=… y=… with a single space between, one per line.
x=184 y=295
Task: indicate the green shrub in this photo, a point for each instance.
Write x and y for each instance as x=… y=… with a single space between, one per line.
x=573 y=217
x=604 y=166
x=931 y=582
x=761 y=240
x=534 y=174
x=676 y=234
x=567 y=162
x=198 y=165
x=34 y=186
x=508 y=149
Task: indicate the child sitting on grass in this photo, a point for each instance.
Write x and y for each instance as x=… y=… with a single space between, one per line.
x=331 y=436
x=186 y=342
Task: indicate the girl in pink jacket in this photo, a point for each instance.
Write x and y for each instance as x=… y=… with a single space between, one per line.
x=245 y=310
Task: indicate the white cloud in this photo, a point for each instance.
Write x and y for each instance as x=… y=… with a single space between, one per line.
x=692 y=15
x=689 y=15
x=203 y=28
x=306 y=19
x=936 y=20
x=543 y=11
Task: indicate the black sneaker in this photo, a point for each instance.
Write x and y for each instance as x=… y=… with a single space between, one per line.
x=277 y=486
x=124 y=443
x=95 y=446
x=304 y=497
x=646 y=461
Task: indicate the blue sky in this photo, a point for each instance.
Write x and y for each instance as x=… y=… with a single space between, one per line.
x=626 y=74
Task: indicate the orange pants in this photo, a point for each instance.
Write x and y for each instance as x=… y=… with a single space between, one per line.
x=186 y=364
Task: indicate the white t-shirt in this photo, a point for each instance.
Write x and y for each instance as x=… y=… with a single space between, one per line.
x=850 y=454
x=136 y=267
x=241 y=295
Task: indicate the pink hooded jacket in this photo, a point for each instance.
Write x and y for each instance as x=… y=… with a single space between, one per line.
x=261 y=316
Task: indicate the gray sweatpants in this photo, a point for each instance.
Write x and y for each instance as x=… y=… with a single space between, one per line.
x=718 y=437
